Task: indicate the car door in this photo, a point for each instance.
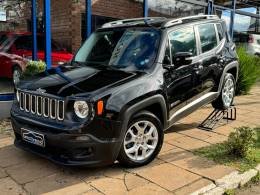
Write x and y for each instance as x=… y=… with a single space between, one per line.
x=180 y=77
x=205 y=73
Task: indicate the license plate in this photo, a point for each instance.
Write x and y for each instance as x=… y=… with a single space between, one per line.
x=33 y=137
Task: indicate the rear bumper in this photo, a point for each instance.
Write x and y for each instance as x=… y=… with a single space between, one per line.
x=69 y=149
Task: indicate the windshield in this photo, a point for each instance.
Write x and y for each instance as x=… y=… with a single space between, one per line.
x=127 y=49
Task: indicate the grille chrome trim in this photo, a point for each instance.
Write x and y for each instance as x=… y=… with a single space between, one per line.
x=58 y=109
x=45 y=99
x=37 y=104
x=42 y=106
x=21 y=94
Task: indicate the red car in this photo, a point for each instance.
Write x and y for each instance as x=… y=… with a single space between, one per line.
x=16 y=50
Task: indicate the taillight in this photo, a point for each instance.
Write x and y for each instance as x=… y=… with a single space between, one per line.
x=251 y=39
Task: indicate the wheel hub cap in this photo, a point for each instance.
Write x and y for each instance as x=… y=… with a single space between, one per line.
x=140 y=140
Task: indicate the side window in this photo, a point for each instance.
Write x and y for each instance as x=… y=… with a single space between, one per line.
x=208 y=38
x=23 y=42
x=220 y=32
x=183 y=40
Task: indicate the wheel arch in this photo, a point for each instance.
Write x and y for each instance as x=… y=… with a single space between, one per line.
x=231 y=68
x=155 y=104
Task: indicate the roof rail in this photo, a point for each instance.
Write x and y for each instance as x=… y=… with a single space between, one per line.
x=182 y=20
x=132 y=20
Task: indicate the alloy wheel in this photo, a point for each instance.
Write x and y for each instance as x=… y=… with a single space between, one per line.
x=141 y=140
x=228 y=92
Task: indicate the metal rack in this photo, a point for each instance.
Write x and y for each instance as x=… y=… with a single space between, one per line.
x=217 y=116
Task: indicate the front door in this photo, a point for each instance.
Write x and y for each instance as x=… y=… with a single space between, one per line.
x=180 y=77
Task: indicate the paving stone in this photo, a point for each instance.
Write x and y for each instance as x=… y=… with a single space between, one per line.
x=246 y=177
x=28 y=172
x=10 y=156
x=198 y=134
x=167 y=147
x=155 y=162
x=258 y=167
x=198 y=187
x=172 y=135
x=2 y=173
x=149 y=189
x=109 y=186
x=7 y=141
x=168 y=176
x=87 y=174
x=188 y=143
x=114 y=172
x=92 y=192
x=9 y=187
x=229 y=181
x=216 y=139
x=133 y=181
x=57 y=184
x=224 y=130
x=215 y=191
x=198 y=165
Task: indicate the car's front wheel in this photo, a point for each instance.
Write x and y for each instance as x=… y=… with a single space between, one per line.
x=142 y=141
x=226 y=97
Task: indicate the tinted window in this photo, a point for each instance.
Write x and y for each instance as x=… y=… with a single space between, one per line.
x=23 y=42
x=128 y=49
x=183 y=40
x=208 y=37
x=220 y=32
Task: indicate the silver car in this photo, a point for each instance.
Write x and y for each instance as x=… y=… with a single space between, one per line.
x=253 y=46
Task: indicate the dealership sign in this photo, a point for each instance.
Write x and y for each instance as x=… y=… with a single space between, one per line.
x=2 y=15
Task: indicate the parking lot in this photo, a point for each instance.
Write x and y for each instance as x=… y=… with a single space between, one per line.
x=176 y=170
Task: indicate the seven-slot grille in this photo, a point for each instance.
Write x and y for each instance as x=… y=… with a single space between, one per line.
x=42 y=106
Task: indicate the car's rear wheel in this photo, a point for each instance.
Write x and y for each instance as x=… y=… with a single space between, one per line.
x=17 y=73
x=142 y=141
x=226 y=97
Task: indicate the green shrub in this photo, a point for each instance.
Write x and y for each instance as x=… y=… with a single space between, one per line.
x=241 y=141
x=249 y=71
x=34 y=67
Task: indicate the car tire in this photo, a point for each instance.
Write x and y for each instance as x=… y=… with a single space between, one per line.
x=227 y=94
x=17 y=73
x=142 y=140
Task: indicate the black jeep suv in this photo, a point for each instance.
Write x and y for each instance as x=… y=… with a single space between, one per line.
x=130 y=81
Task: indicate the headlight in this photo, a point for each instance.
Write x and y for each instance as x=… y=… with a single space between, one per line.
x=81 y=109
x=17 y=96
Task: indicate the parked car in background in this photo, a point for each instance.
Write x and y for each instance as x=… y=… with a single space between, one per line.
x=253 y=46
x=16 y=50
x=250 y=41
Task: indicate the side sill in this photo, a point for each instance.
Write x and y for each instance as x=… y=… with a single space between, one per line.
x=191 y=107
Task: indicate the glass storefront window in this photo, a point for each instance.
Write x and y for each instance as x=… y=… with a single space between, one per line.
x=174 y=8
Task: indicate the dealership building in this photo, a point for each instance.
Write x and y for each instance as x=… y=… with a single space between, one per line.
x=68 y=18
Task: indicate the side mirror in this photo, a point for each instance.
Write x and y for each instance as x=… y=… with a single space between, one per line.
x=182 y=58
x=167 y=63
x=167 y=60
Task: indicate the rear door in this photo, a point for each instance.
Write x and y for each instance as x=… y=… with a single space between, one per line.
x=205 y=75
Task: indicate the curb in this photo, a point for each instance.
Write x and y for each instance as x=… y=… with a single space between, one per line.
x=232 y=181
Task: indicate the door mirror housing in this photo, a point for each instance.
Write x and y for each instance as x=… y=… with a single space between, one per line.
x=167 y=60
x=167 y=63
x=182 y=58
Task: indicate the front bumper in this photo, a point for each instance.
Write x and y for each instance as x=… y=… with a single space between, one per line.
x=73 y=149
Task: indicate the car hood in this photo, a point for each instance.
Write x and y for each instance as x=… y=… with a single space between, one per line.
x=71 y=80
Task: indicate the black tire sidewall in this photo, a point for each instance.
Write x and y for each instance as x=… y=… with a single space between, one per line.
x=124 y=159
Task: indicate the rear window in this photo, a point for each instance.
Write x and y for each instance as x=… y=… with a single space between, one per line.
x=208 y=37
